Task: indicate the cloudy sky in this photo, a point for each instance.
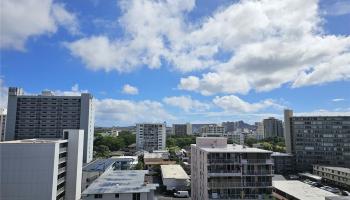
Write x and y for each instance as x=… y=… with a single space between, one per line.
x=181 y=60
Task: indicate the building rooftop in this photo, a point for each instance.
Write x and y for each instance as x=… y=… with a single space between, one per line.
x=341 y=169
x=281 y=154
x=120 y=181
x=234 y=148
x=311 y=176
x=160 y=155
x=174 y=172
x=300 y=190
x=35 y=141
x=99 y=165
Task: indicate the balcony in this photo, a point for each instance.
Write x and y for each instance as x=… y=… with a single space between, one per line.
x=61 y=180
x=223 y=161
x=257 y=161
x=59 y=191
x=258 y=173
x=223 y=185
x=61 y=170
x=62 y=160
x=63 y=149
x=223 y=173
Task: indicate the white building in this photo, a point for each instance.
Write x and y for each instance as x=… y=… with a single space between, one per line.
x=121 y=185
x=212 y=130
x=46 y=115
x=225 y=171
x=260 y=134
x=150 y=137
x=42 y=168
x=174 y=177
x=284 y=190
x=3 y=113
x=182 y=129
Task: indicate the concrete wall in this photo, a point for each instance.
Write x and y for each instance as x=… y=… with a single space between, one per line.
x=87 y=122
x=28 y=171
x=74 y=164
x=126 y=196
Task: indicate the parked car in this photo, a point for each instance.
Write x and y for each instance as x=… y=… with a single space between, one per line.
x=181 y=194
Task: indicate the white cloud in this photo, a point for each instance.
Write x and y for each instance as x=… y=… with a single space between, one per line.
x=22 y=19
x=186 y=103
x=338 y=99
x=267 y=43
x=337 y=7
x=235 y=104
x=128 y=89
x=125 y=112
x=3 y=94
x=75 y=91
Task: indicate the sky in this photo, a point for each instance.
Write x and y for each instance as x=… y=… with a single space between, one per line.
x=181 y=60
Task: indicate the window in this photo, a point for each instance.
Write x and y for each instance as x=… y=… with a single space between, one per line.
x=98 y=196
x=136 y=196
x=116 y=196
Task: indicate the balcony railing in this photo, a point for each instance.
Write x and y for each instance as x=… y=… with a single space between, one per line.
x=254 y=173
x=225 y=173
x=59 y=191
x=61 y=170
x=218 y=185
x=61 y=180
x=257 y=161
x=62 y=160
x=63 y=149
x=222 y=160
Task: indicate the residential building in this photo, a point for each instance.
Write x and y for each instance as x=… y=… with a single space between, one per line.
x=272 y=127
x=46 y=115
x=339 y=176
x=95 y=169
x=227 y=171
x=236 y=137
x=182 y=129
x=121 y=184
x=260 y=134
x=297 y=190
x=284 y=163
x=42 y=168
x=212 y=130
x=125 y=162
x=3 y=113
x=157 y=158
x=174 y=177
x=150 y=137
x=318 y=140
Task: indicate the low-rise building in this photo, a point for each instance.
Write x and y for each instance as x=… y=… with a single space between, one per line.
x=339 y=176
x=156 y=158
x=122 y=185
x=228 y=171
x=174 y=177
x=125 y=162
x=297 y=190
x=94 y=169
x=284 y=163
x=42 y=168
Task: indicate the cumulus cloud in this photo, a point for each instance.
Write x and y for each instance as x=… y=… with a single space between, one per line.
x=22 y=19
x=186 y=103
x=338 y=99
x=267 y=43
x=115 y=111
x=128 y=89
x=236 y=104
x=75 y=91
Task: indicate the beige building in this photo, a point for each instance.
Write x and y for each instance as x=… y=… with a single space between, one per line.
x=335 y=175
x=225 y=171
x=174 y=177
x=212 y=130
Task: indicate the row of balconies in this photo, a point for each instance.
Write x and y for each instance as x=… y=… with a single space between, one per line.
x=228 y=173
x=242 y=161
x=222 y=185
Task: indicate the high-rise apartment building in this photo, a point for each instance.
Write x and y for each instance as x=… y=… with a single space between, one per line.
x=42 y=168
x=212 y=130
x=318 y=140
x=151 y=136
x=225 y=171
x=182 y=129
x=46 y=115
x=2 y=123
x=260 y=134
x=273 y=127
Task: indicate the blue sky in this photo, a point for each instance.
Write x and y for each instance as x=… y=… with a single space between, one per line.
x=182 y=61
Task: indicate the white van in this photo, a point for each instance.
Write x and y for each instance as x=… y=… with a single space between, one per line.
x=181 y=194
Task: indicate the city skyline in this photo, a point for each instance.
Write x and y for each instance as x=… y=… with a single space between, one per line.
x=191 y=61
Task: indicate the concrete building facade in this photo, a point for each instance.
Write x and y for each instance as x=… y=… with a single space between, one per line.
x=42 y=168
x=46 y=115
x=174 y=177
x=284 y=163
x=212 y=130
x=3 y=113
x=339 y=176
x=318 y=140
x=225 y=171
x=273 y=127
x=182 y=129
x=150 y=136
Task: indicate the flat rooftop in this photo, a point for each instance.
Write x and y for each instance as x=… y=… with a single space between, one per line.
x=281 y=154
x=99 y=165
x=233 y=148
x=35 y=141
x=341 y=169
x=300 y=190
x=120 y=181
x=173 y=172
x=312 y=176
